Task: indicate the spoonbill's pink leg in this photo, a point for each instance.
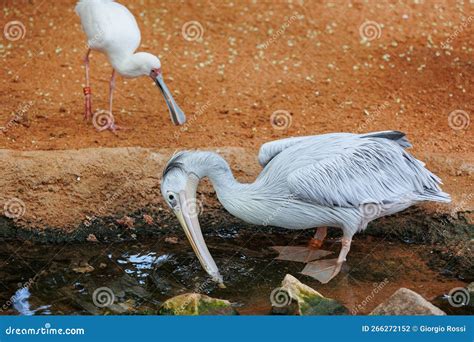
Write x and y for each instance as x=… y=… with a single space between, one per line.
x=113 y=127
x=111 y=91
x=87 y=90
x=325 y=270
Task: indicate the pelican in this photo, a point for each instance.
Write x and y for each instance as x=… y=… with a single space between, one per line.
x=339 y=180
x=112 y=29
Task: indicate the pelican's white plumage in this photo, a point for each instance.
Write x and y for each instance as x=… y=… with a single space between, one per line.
x=338 y=180
x=111 y=28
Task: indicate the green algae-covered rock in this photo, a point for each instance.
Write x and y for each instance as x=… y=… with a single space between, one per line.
x=296 y=298
x=196 y=304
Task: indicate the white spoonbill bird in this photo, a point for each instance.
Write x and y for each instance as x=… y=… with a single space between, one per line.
x=338 y=180
x=111 y=29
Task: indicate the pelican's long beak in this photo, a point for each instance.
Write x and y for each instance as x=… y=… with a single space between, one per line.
x=177 y=115
x=190 y=224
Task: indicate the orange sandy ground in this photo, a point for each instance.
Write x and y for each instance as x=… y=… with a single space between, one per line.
x=253 y=59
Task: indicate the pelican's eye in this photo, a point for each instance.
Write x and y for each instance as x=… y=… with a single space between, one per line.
x=172 y=200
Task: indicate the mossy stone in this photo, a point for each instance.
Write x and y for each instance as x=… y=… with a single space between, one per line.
x=193 y=304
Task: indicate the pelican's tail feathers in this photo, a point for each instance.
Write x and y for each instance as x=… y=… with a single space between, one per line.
x=434 y=196
x=397 y=136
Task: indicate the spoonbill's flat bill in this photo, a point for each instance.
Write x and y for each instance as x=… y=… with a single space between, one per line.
x=111 y=29
x=333 y=180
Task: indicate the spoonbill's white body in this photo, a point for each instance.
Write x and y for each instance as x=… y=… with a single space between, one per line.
x=111 y=29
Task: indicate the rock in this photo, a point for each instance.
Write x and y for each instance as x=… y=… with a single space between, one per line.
x=407 y=302
x=126 y=222
x=126 y=307
x=196 y=304
x=470 y=290
x=83 y=268
x=172 y=239
x=148 y=219
x=294 y=297
x=92 y=238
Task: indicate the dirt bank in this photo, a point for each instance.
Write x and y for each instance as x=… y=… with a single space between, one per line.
x=62 y=189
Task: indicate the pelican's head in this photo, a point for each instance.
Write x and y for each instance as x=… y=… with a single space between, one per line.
x=178 y=187
x=150 y=65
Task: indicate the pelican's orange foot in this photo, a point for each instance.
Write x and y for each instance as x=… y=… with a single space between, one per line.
x=315 y=243
x=323 y=270
x=299 y=253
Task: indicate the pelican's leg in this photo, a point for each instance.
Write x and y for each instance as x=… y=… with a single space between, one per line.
x=87 y=90
x=304 y=253
x=325 y=270
x=318 y=239
x=345 y=248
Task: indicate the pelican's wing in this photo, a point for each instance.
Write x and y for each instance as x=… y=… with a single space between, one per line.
x=366 y=169
x=397 y=136
x=270 y=149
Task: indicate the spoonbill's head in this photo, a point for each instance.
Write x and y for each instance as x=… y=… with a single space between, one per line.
x=178 y=187
x=150 y=65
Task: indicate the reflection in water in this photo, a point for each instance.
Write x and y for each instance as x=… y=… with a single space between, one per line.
x=21 y=303
x=141 y=264
x=142 y=274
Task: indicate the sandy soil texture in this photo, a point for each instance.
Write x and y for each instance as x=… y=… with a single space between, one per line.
x=245 y=73
x=332 y=66
x=63 y=189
